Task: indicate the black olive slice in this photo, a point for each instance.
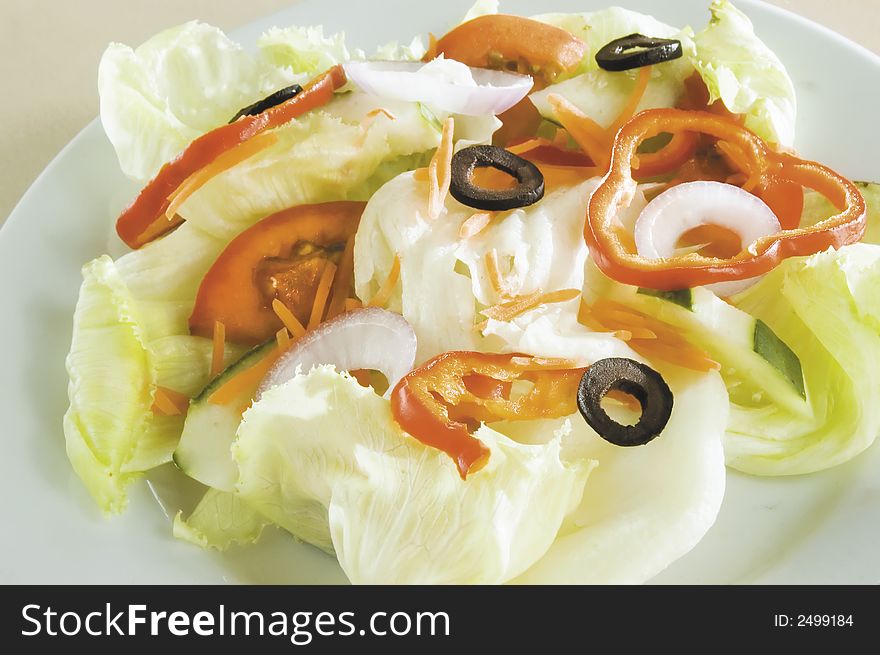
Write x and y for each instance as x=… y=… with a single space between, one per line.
x=638 y=380
x=637 y=50
x=529 y=190
x=281 y=95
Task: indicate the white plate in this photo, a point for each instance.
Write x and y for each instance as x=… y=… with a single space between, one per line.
x=821 y=528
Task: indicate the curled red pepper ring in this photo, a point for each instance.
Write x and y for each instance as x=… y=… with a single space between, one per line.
x=602 y=232
x=144 y=220
x=436 y=401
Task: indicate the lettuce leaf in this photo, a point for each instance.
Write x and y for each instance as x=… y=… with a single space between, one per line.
x=219 y=521
x=745 y=74
x=110 y=431
x=825 y=308
x=322 y=457
x=175 y=86
x=304 y=50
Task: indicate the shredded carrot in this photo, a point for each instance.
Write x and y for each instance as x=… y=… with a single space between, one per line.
x=507 y=311
x=370 y=118
x=383 y=295
x=586 y=132
x=321 y=295
x=219 y=348
x=591 y=137
x=528 y=145
x=421 y=175
x=586 y=319
x=168 y=402
x=352 y=303
x=244 y=382
x=224 y=162
x=440 y=171
x=290 y=321
x=342 y=281
x=545 y=363
x=379 y=112
x=475 y=224
x=499 y=284
x=556 y=176
x=632 y=103
x=282 y=338
x=648 y=336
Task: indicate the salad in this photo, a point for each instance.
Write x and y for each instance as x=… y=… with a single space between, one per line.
x=499 y=305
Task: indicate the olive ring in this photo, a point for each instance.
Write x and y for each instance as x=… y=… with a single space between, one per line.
x=637 y=50
x=530 y=180
x=638 y=380
x=281 y=95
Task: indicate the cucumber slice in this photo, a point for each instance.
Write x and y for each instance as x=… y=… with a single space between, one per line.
x=204 y=450
x=756 y=364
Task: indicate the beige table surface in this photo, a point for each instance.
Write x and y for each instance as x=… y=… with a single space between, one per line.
x=49 y=52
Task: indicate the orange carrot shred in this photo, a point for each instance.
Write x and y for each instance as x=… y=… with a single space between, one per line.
x=499 y=284
x=282 y=338
x=421 y=175
x=507 y=311
x=342 y=281
x=440 y=171
x=383 y=295
x=219 y=348
x=321 y=295
x=222 y=163
x=246 y=381
x=475 y=224
x=586 y=132
x=168 y=402
x=290 y=321
x=648 y=336
x=632 y=103
x=352 y=303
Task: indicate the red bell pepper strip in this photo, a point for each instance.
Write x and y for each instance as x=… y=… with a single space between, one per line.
x=144 y=219
x=437 y=401
x=603 y=235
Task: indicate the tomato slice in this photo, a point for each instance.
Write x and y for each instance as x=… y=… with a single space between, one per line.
x=514 y=43
x=144 y=219
x=283 y=256
x=442 y=401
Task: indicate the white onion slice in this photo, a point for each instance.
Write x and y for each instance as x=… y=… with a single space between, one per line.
x=481 y=92
x=369 y=338
x=674 y=212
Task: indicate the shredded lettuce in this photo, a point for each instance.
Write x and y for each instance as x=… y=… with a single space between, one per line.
x=322 y=457
x=745 y=74
x=219 y=521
